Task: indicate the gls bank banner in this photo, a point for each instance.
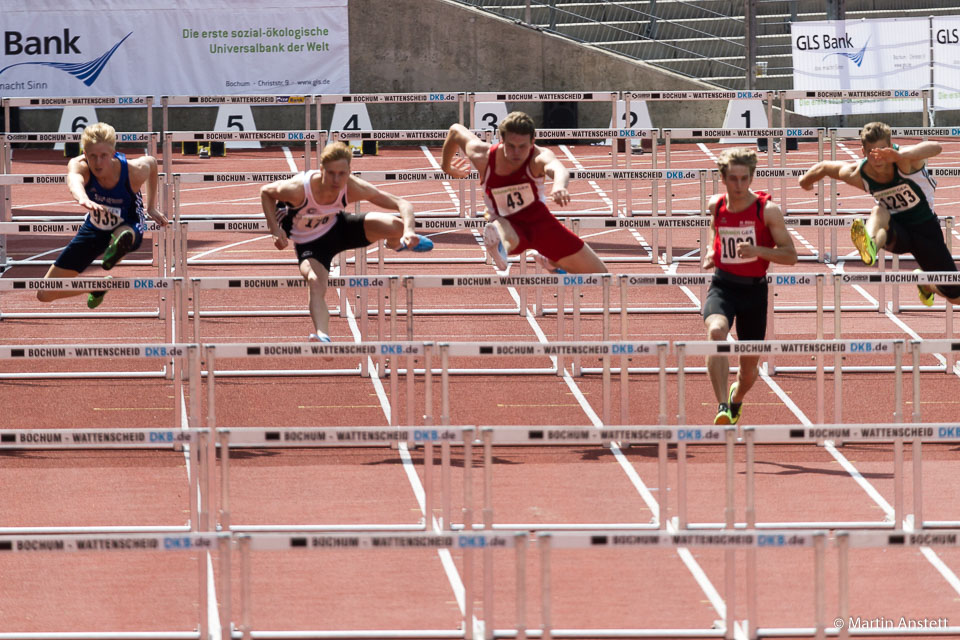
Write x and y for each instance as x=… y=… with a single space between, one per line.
x=861 y=55
x=293 y=51
x=946 y=62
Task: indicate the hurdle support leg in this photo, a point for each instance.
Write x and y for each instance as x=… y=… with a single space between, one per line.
x=751 y=519
x=898 y=483
x=428 y=384
x=916 y=449
x=225 y=604
x=520 y=557
x=843 y=580
x=543 y=542
x=819 y=587
x=681 y=383
x=224 y=511
x=246 y=599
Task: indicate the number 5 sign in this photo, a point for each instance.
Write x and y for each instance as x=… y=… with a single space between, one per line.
x=237 y=117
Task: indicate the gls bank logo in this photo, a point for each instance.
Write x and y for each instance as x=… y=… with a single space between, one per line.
x=825 y=42
x=14 y=44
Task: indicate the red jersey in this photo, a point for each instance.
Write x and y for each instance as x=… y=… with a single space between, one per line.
x=513 y=193
x=733 y=227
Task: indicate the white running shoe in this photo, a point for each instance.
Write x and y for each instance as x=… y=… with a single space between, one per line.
x=494 y=244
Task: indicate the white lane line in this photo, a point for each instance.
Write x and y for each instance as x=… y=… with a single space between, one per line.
x=707 y=151
x=446 y=559
x=225 y=247
x=846 y=150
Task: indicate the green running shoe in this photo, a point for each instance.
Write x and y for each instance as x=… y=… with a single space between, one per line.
x=119 y=247
x=863 y=242
x=926 y=297
x=735 y=408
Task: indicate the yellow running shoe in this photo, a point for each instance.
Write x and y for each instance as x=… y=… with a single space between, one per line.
x=926 y=297
x=723 y=414
x=863 y=242
x=735 y=408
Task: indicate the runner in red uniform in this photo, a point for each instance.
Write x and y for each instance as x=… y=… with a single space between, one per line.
x=749 y=234
x=513 y=186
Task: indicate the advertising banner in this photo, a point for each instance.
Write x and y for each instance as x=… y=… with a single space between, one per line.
x=946 y=62
x=295 y=51
x=860 y=56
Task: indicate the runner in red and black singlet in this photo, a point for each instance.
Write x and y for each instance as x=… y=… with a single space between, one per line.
x=749 y=234
x=513 y=174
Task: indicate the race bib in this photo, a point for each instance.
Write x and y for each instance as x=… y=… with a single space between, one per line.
x=106 y=220
x=513 y=198
x=898 y=198
x=730 y=237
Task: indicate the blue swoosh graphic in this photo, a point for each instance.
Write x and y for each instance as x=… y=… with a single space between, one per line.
x=856 y=57
x=84 y=71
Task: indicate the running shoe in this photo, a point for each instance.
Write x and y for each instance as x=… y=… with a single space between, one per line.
x=319 y=337
x=94 y=298
x=494 y=244
x=863 y=242
x=545 y=263
x=926 y=297
x=735 y=408
x=119 y=247
x=723 y=414
x=425 y=244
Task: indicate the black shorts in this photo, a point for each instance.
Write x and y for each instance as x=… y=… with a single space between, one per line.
x=89 y=243
x=744 y=303
x=925 y=242
x=346 y=233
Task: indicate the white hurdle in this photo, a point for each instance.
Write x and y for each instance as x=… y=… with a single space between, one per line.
x=729 y=541
x=352 y=436
x=467 y=543
x=125 y=543
x=838 y=348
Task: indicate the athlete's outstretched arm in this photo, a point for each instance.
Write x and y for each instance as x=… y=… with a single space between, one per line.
x=358 y=189
x=845 y=171
x=459 y=138
x=561 y=177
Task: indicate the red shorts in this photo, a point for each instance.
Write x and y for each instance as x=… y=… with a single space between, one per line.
x=538 y=229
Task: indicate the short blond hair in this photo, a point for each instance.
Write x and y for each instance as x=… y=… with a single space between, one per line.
x=744 y=156
x=517 y=122
x=100 y=132
x=875 y=132
x=335 y=151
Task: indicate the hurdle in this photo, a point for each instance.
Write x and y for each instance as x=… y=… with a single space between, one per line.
x=21 y=224
x=468 y=543
x=557 y=352
x=839 y=349
x=125 y=543
x=339 y=437
x=729 y=541
x=622 y=436
x=174 y=439
x=900 y=539
x=252 y=100
x=840 y=434
x=169 y=137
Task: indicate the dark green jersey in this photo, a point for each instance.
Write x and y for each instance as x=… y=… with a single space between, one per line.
x=908 y=197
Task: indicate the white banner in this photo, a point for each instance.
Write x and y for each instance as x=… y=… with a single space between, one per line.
x=297 y=51
x=946 y=62
x=863 y=56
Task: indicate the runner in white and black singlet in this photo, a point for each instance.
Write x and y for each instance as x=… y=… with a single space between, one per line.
x=903 y=220
x=310 y=209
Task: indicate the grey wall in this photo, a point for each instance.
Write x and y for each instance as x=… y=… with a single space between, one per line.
x=436 y=45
